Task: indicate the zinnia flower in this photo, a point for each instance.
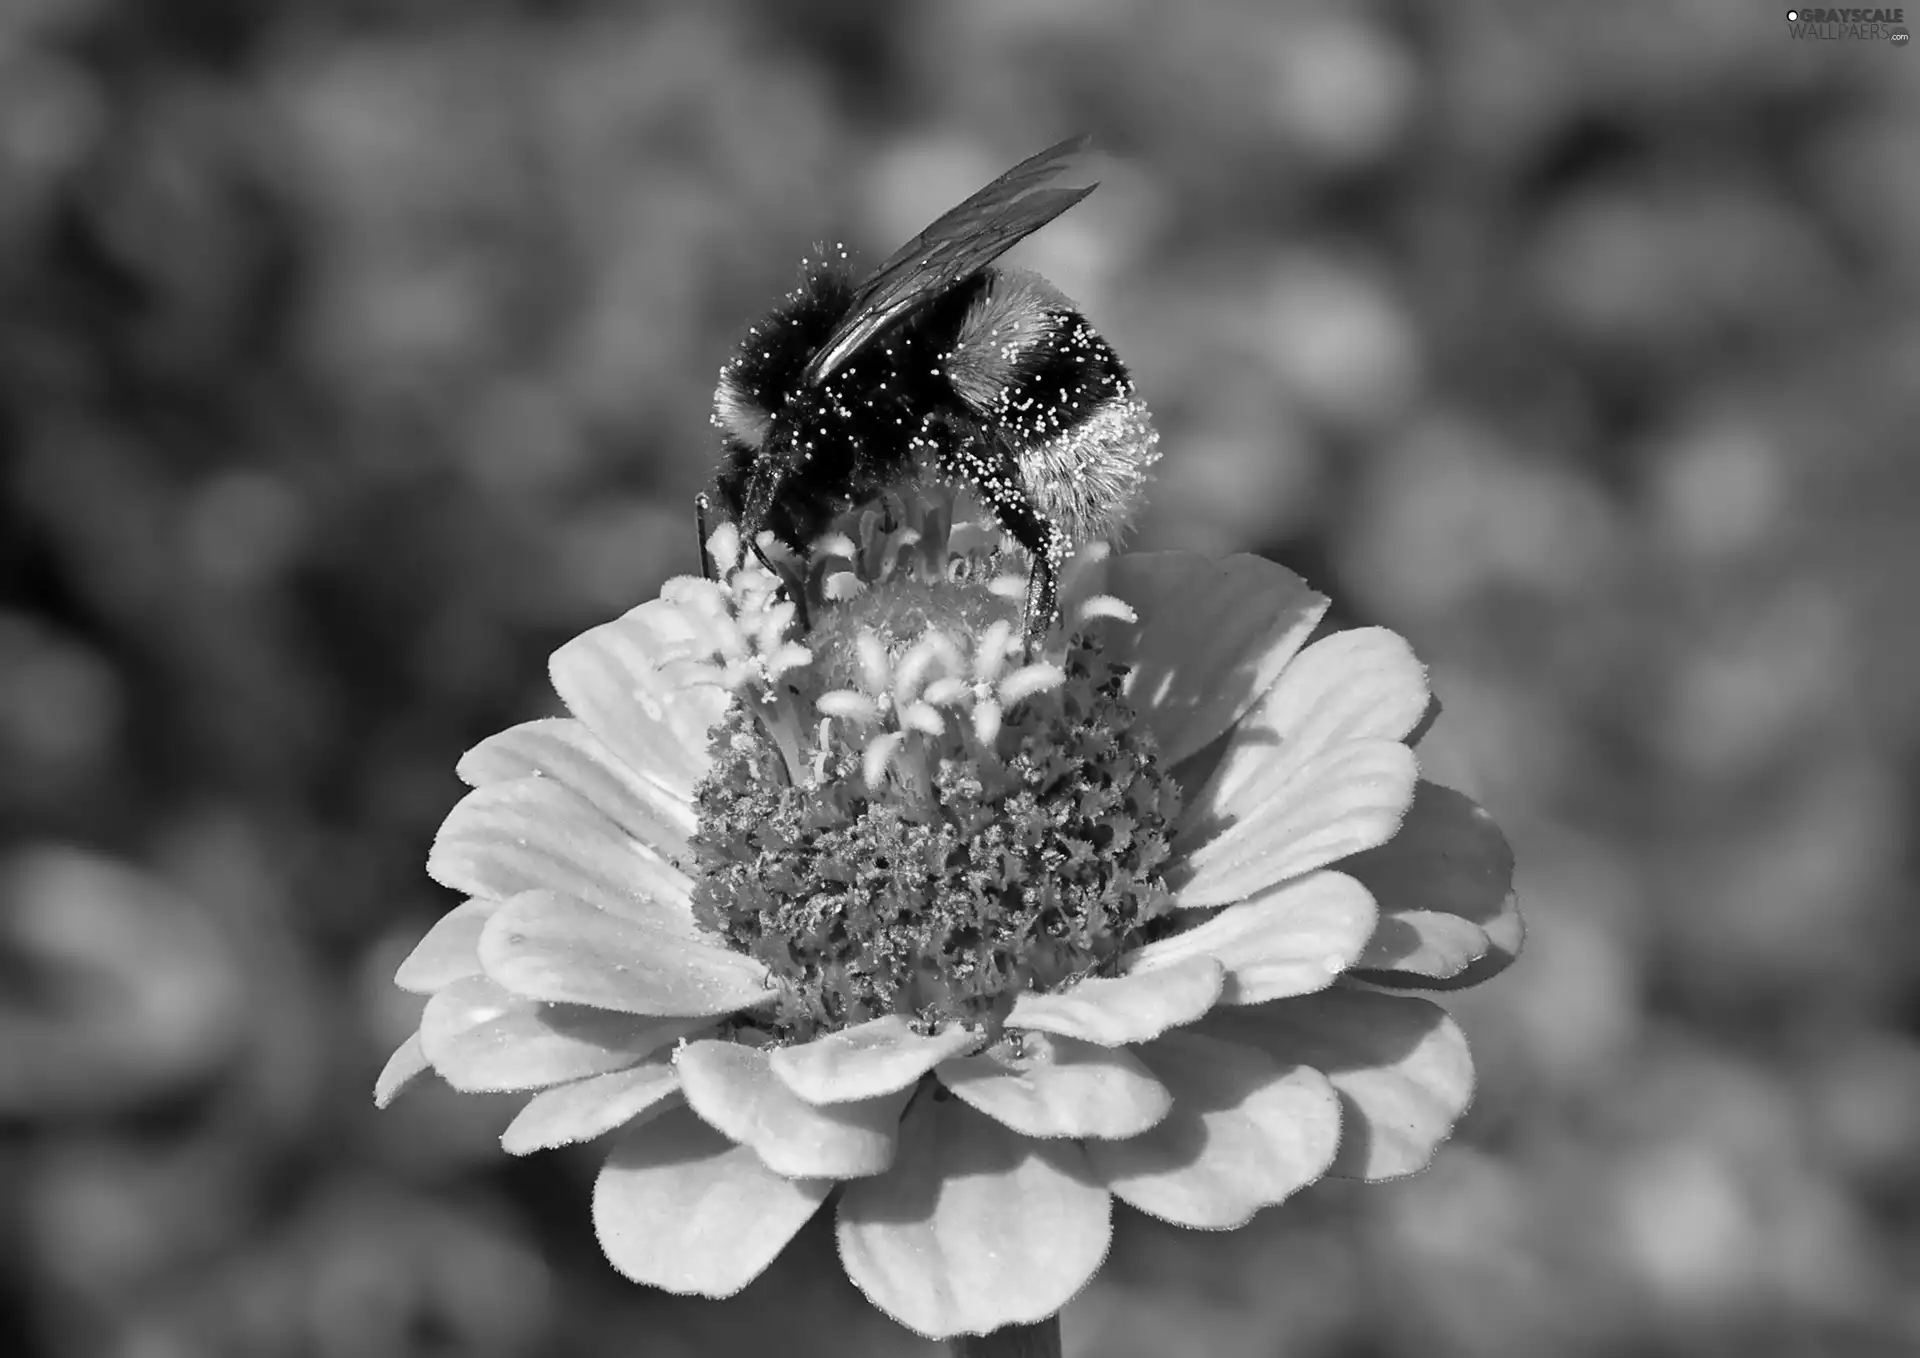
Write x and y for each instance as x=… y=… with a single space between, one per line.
x=971 y=941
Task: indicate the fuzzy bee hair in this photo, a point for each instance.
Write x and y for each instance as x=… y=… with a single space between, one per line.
x=939 y=365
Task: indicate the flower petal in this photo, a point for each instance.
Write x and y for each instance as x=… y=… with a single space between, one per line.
x=1245 y=1132
x=1416 y=947
x=563 y=749
x=1060 y=1086
x=1365 y=684
x=1445 y=887
x=1116 y=1011
x=1212 y=637
x=1501 y=951
x=733 y=1088
x=1337 y=803
x=533 y=834
x=975 y=1227
x=677 y=1206
x=1450 y=856
x=610 y=678
x=407 y=1064
x=592 y=1107
x=867 y=1060
x=447 y=953
x=550 y=947
x=1291 y=940
x=1401 y=1065
x=481 y=1038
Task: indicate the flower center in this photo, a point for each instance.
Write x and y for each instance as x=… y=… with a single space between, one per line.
x=949 y=830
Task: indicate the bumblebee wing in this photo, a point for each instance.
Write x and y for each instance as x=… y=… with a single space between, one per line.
x=957 y=245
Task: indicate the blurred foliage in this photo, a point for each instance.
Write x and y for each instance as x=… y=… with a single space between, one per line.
x=354 y=353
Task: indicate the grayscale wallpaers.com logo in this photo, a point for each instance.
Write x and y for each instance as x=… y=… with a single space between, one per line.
x=1869 y=24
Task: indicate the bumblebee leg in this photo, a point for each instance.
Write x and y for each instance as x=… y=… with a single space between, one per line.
x=700 y=506
x=1043 y=588
x=986 y=464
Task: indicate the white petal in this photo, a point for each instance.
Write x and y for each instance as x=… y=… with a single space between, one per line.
x=867 y=1060
x=733 y=1089
x=1288 y=940
x=482 y=1039
x=533 y=834
x=1445 y=887
x=679 y=1207
x=1060 y=1086
x=563 y=749
x=1212 y=636
x=610 y=678
x=1361 y=685
x=1120 y=1010
x=407 y=1064
x=975 y=1227
x=584 y=1109
x=550 y=947
x=448 y=953
x=1245 y=1133
x=1338 y=802
x=1400 y=1063
x=1411 y=947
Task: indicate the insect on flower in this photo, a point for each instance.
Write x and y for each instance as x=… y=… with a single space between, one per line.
x=970 y=940
x=939 y=365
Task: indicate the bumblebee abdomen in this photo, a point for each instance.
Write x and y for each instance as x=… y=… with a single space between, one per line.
x=1028 y=364
x=1091 y=477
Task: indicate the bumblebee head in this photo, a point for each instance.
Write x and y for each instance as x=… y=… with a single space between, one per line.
x=791 y=438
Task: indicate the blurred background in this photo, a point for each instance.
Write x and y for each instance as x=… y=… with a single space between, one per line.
x=355 y=353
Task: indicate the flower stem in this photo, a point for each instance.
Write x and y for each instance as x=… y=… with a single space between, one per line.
x=1015 y=1341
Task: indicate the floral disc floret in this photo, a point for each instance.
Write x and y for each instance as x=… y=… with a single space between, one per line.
x=962 y=828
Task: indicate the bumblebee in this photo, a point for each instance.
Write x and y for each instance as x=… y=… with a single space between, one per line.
x=939 y=365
